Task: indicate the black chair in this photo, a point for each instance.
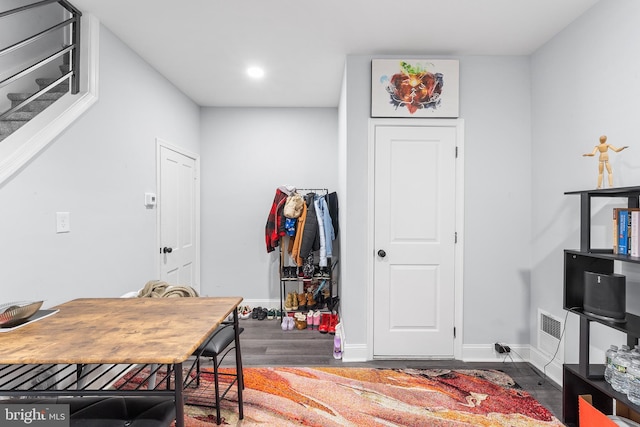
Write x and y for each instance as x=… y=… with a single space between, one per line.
x=219 y=344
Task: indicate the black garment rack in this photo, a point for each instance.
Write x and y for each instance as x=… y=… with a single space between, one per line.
x=311 y=190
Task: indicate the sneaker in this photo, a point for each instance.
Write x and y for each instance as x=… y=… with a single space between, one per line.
x=245 y=313
x=271 y=314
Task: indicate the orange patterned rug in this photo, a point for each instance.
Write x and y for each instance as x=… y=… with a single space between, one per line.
x=327 y=397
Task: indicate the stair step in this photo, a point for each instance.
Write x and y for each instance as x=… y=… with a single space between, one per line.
x=62 y=87
x=9 y=126
x=43 y=100
x=21 y=116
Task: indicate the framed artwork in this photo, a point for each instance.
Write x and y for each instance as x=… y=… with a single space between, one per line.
x=414 y=88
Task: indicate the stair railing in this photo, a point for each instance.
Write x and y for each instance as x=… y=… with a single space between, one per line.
x=73 y=50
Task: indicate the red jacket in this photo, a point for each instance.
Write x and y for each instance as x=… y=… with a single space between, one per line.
x=275 y=222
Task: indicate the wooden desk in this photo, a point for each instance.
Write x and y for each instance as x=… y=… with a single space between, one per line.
x=164 y=331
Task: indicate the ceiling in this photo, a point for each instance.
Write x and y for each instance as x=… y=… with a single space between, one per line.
x=204 y=46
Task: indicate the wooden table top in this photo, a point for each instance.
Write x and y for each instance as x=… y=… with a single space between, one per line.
x=118 y=330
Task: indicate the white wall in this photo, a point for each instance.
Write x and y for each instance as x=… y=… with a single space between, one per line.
x=585 y=83
x=495 y=106
x=246 y=154
x=98 y=170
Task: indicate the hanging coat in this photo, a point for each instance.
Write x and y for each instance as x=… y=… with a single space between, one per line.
x=297 y=241
x=275 y=221
x=310 y=238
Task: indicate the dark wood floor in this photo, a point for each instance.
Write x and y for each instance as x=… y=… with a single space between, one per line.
x=264 y=343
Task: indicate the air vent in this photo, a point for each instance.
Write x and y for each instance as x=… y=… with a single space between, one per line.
x=550 y=334
x=550 y=325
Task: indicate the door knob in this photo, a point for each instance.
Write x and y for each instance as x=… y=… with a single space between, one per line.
x=166 y=250
x=382 y=253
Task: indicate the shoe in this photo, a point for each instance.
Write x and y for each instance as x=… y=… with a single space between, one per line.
x=333 y=321
x=271 y=314
x=262 y=314
x=301 y=321
x=302 y=301
x=254 y=313
x=289 y=302
x=287 y=323
x=324 y=323
x=310 y=319
x=316 y=319
x=311 y=303
x=245 y=312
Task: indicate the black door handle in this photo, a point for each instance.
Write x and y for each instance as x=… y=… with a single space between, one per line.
x=382 y=253
x=166 y=250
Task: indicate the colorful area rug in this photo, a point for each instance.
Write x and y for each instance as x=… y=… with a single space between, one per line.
x=326 y=397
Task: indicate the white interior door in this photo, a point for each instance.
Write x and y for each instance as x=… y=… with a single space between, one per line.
x=177 y=205
x=414 y=225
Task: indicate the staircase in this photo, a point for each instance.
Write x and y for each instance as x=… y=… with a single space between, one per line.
x=16 y=120
x=34 y=33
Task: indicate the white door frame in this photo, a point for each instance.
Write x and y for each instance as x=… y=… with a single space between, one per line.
x=459 y=247
x=196 y=157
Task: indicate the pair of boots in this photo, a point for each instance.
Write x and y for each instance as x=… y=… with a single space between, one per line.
x=299 y=301
x=328 y=323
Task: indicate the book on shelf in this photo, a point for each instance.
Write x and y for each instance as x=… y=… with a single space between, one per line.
x=623 y=226
x=626 y=231
x=634 y=244
x=615 y=229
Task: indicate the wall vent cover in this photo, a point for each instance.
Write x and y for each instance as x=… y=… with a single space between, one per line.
x=550 y=334
x=551 y=326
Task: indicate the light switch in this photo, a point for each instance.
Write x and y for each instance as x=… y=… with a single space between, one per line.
x=62 y=222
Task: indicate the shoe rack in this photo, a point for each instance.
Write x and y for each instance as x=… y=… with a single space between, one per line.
x=313 y=291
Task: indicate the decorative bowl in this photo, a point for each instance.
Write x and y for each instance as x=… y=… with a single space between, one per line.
x=15 y=313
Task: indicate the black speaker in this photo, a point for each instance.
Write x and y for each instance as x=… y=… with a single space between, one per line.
x=605 y=296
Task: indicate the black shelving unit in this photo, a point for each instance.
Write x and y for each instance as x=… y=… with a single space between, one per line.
x=586 y=378
x=288 y=283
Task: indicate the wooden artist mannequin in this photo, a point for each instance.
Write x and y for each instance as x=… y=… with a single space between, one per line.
x=603 y=160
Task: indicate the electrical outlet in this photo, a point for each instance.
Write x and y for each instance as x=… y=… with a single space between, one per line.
x=63 y=224
x=501 y=348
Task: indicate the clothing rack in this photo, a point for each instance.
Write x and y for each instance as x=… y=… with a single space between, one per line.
x=313 y=190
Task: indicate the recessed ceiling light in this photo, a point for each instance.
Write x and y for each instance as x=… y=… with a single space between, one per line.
x=255 y=72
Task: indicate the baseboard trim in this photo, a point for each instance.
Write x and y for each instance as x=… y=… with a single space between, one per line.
x=355 y=353
x=487 y=353
x=552 y=369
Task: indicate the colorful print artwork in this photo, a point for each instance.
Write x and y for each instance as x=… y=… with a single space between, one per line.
x=414 y=88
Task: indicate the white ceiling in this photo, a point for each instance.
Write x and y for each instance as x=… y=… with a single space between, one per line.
x=204 y=46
